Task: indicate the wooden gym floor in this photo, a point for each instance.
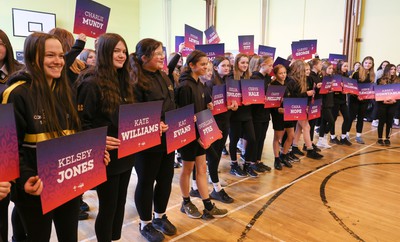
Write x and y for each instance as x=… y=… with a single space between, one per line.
x=352 y=194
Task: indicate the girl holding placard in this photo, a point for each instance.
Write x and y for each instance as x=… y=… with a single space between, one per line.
x=100 y=92
x=261 y=115
x=41 y=92
x=154 y=167
x=191 y=91
x=340 y=104
x=8 y=65
x=241 y=124
x=357 y=105
x=386 y=108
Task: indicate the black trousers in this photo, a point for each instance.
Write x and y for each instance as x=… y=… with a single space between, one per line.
x=344 y=110
x=153 y=167
x=327 y=121
x=38 y=226
x=243 y=129
x=112 y=199
x=312 y=127
x=357 y=108
x=4 y=218
x=260 y=129
x=385 y=115
x=213 y=154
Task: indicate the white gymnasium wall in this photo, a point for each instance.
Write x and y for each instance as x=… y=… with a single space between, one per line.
x=238 y=17
x=379 y=31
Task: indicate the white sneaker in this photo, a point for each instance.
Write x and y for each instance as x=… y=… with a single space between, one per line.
x=326 y=142
x=375 y=123
x=396 y=121
x=322 y=142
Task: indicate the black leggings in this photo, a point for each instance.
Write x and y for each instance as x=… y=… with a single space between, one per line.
x=385 y=116
x=153 y=167
x=112 y=198
x=38 y=226
x=357 y=108
x=4 y=218
x=312 y=128
x=344 y=110
x=260 y=135
x=327 y=121
x=213 y=154
x=242 y=129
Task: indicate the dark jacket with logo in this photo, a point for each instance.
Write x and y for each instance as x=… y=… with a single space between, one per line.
x=160 y=88
x=89 y=100
x=191 y=91
x=29 y=129
x=259 y=113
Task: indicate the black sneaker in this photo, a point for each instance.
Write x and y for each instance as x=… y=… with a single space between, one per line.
x=387 y=142
x=277 y=164
x=257 y=168
x=236 y=170
x=214 y=213
x=335 y=141
x=225 y=151
x=286 y=160
x=380 y=142
x=221 y=196
x=293 y=157
x=315 y=147
x=345 y=141
x=249 y=170
x=84 y=206
x=83 y=215
x=297 y=151
x=164 y=225
x=191 y=210
x=265 y=167
x=194 y=193
x=314 y=155
x=150 y=233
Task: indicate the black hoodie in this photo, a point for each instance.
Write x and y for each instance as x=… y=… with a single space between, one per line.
x=191 y=91
x=29 y=129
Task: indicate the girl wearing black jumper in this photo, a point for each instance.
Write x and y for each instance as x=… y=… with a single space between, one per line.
x=100 y=92
x=41 y=90
x=358 y=106
x=241 y=124
x=340 y=104
x=191 y=91
x=221 y=68
x=153 y=165
x=327 y=119
x=386 y=108
x=261 y=115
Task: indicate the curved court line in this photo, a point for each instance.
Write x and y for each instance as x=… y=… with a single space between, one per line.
x=325 y=201
x=303 y=176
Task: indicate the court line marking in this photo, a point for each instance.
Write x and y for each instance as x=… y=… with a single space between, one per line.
x=137 y=220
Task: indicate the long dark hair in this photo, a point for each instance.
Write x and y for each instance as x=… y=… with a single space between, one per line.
x=145 y=47
x=216 y=79
x=11 y=64
x=386 y=77
x=46 y=96
x=193 y=58
x=111 y=79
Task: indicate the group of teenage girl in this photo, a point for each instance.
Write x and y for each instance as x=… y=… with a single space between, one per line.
x=55 y=94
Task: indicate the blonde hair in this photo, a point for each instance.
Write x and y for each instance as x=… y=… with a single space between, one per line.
x=298 y=73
